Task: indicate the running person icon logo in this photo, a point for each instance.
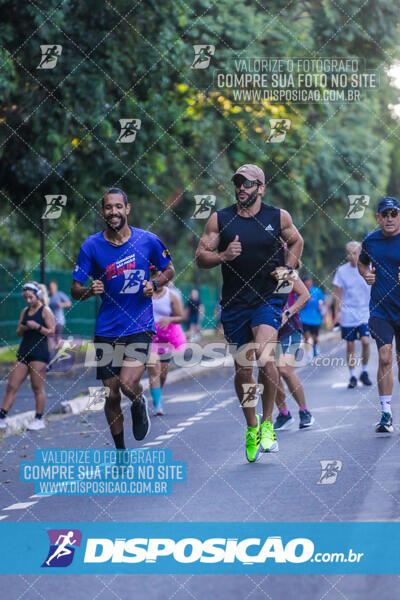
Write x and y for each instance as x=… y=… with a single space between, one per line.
x=129 y=129
x=50 y=54
x=97 y=397
x=64 y=357
x=202 y=56
x=133 y=280
x=251 y=393
x=62 y=547
x=357 y=206
x=204 y=205
x=286 y=279
x=279 y=129
x=54 y=206
x=330 y=470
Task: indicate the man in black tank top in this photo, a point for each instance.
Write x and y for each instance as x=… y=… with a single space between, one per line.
x=246 y=240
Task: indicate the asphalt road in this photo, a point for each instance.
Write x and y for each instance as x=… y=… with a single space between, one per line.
x=222 y=486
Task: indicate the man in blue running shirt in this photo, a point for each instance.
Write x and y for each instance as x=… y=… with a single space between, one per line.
x=118 y=260
x=379 y=264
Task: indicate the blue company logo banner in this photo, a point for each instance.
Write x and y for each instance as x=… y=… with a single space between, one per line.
x=226 y=548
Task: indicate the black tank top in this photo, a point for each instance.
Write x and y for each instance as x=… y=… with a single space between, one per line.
x=32 y=340
x=246 y=279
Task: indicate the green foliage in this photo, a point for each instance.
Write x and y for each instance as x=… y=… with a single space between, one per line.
x=132 y=60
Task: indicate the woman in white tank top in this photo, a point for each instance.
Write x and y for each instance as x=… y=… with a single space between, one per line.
x=170 y=337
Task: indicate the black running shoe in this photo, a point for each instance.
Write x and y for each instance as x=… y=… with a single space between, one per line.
x=352 y=382
x=365 y=379
x=140 y=419
x=306 y=419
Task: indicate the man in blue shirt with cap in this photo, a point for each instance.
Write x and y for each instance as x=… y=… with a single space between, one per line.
x=379 y=264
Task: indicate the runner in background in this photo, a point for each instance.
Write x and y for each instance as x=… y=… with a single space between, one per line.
x=290 y=335
x=36 y=323
x=194 y=315
x=170 y=337
x=379 y=264
x=58 y=301
x=352 y=295
x=311 y=315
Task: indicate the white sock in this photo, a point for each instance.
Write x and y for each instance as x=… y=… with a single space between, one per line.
x=352 y=372
x=386 y=403
x=363 y=368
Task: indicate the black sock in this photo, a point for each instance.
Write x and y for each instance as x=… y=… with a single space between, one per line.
x=119 y=440
x=3 y=413
x=38 y=416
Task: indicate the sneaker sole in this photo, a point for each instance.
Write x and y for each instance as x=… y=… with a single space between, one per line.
x=148 y=429
x=286 y=425
x=273 y=448
x=302 y=426
x=384 y=429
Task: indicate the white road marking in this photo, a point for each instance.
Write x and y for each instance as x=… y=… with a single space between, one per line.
x=343 y=384
x=195 y=419
x=332 y=428
x=41 y=496
x=185 y=424
x=175 y=430
x=3 y=517
x=164 y=437
x=20 y=505
x=186 y=398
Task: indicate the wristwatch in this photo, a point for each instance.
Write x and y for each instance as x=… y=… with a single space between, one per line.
x=155 y=285
x=288 y=314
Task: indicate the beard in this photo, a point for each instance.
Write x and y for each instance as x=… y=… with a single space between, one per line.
x=116 y=227
x=249 y=201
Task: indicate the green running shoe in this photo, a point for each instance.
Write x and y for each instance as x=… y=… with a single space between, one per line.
x=253 y=442
x=268 y=441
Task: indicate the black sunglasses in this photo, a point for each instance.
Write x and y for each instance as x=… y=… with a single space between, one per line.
x=239 y=181
x=393 y=212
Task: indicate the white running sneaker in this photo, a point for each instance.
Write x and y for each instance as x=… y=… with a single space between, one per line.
x=3 y=423
x=35 y=425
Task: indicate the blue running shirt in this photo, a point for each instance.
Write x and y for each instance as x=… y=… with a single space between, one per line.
x=124 y=310
x=384 y=254
x=310 y=314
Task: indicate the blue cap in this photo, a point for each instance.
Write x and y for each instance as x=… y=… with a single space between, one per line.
x=388 y=202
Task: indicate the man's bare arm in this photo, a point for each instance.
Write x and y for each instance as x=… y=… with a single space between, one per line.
x=166 y=274
x=80 y=292
x=337 y=300
x=206 y=255
x=292 y=238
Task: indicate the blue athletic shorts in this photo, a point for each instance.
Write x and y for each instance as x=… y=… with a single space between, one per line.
x=238 y=324
x=291 y=343
x=355 y=333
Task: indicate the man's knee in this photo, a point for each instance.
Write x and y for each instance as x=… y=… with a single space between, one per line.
x=385 y=357
x=243 y=375
x=114 y=399
x=130 y=386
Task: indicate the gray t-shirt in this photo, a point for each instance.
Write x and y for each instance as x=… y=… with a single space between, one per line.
x=58 y=311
